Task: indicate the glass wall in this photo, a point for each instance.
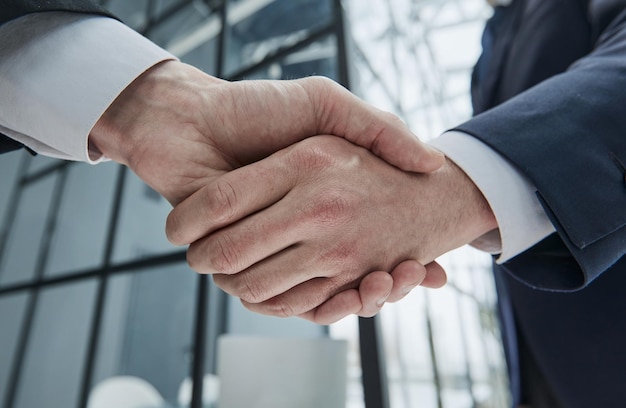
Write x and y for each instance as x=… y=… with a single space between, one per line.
x=414 y=58
x=96 y=305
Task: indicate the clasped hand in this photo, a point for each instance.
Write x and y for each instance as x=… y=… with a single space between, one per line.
x=290 y=223
x=291 y=231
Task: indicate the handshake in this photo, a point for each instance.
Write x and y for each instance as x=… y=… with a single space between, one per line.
x=296 y=196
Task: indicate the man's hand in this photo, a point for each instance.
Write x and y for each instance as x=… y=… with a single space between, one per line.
x=376 y=289
x=180 y=129
x=291 y=231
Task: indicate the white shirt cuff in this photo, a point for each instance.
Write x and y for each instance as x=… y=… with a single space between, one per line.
x=59 y=72
x=521 y=220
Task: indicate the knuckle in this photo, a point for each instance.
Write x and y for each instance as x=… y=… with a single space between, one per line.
x=319 y=82
x=332 y=209
x=195 y=261
x=223 y=254
x=313 y=155
x=242 y=286
x=173 y=230
x=327 y=154
x=285 y=310
x=221 y=200
x=392 y=118
x=279 y=307
x=225 y=283
x=324 y=95
x=381 y=129
x=343 y=255
x=250 y=290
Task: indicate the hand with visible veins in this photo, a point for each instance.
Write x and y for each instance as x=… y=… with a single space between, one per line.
x=308 y=224
x=180 y=130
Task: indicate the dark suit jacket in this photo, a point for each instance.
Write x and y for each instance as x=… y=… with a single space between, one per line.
x=12 y=9
x=550 y=95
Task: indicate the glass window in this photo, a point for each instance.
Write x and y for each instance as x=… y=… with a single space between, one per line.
x=12 y=308
x=147 y=330
x=257 y=28
x=80 y=237
x=410 y=367
x=240 y=322
x=55 y=355
x=40 y=163
x=21 y=252
x=9 y=167
x=281 y=373
x=226 y=314
x=133 y=13
x=191 y=34
x=163 y=6
x=141 y=227
x=243 y=322
x=414 y=58
x=319 y=58
x=216 y=322
x=448 y=334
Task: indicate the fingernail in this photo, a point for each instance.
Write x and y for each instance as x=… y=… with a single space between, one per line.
x=381 y=302
x=405 y=290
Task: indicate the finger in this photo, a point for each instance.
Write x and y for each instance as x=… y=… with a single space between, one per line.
x=308 y=300
x=406 y=276
x=260 y=245
x=229 y=198
x=341 y=113
x=435 y=276
x=343 y=304
x=365 y=302
x=300 y=299
x=307 y=215
x=374 y=290
x=296 y=274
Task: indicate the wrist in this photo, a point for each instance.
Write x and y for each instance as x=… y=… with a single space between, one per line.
x=155 y=106
x=476 y=213
x=116 y=134
x=158 y=127
x=468 y=214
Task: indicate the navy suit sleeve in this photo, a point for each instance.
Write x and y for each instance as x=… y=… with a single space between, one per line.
x=568 y=136
x=12 y=9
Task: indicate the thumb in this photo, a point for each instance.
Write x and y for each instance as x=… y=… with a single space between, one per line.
x=435 y=276
x=341 y=113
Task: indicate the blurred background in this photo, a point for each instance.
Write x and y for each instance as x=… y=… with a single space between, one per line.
x=95 y=304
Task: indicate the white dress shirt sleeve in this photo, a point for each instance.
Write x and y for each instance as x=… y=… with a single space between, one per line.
x=59 y=72
x=522 y=222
